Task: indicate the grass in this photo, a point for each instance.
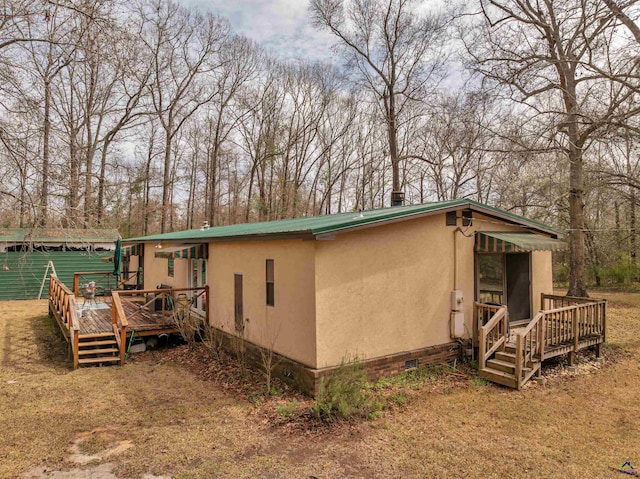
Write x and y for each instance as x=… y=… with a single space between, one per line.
x=446 y=424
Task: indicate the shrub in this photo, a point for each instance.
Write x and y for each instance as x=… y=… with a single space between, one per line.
x=345 y=394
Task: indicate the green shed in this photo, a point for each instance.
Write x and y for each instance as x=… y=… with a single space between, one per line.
x=26 y=252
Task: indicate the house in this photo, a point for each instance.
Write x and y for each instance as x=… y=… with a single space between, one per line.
x=26 y=253
x=394 y=287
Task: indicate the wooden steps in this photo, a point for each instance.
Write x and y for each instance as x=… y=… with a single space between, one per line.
x=98 y=349
x=502 y=368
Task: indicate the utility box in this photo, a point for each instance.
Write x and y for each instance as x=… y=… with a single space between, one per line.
x=457 y=324
x=457 y=300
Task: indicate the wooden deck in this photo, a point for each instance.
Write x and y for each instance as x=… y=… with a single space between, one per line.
x=564 y=325
x=141 y=319
x=98 y=332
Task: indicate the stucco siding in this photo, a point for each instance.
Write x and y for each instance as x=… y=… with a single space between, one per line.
x=541 y=277
x=384 y=290
x=289 y=326
x=387 y=289
x=156 y=270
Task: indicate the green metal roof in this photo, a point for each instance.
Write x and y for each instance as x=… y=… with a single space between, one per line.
x=57 y=235
x=329 y=224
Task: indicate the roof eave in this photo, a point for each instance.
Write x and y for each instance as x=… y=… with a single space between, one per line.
x=303 y=235
x=329 y=233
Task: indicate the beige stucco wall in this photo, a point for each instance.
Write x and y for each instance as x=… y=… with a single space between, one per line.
x=541 y=277
x=388 y=289
x=155 y=270
x=384 y=290
x=289 y=326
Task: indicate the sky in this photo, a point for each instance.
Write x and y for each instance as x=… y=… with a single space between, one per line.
x=283 y=27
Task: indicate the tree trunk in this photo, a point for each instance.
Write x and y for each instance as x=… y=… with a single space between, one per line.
x=166 y=178
x=576 y=213
x=397 y=196
x=44 y=191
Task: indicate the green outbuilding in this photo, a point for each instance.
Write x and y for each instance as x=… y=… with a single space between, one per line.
x=26 y=256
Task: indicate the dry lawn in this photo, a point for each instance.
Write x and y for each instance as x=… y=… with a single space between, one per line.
x=157 y=416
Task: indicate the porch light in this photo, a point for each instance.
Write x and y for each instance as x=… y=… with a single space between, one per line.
x=159 y=246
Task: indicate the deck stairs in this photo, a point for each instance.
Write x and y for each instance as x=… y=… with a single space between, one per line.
x=98 y=349
x=501 y=369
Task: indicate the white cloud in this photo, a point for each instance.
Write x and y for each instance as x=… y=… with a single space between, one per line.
x=281 y=26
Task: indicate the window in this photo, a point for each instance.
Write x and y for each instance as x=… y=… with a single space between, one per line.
x=238 y=306
x=491 y=278
x=271 y=292
x=170 y=267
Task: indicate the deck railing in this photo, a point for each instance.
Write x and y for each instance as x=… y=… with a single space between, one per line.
x=166 y=301
x=105 y=282
x=492 y=336
x=529 y=350
x=119 y=323
x=482 y=314
x=62 y=303
x=571 y=322
x=590 y=320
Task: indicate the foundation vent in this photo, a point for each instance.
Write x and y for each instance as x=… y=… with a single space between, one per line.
x=411 y=364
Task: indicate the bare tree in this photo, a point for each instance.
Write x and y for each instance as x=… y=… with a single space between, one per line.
x=183 y=49
x=396 y=49
x=546 y=55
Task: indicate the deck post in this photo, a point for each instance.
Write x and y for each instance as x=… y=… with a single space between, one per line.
x=123 y=342
x=541 y=340
x=207 y=303
x=518 y=371
x=482 y=349
x=604 y=320
x=575 y=315
x=76 y=347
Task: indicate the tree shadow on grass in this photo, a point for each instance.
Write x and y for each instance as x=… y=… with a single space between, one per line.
x=30 y=339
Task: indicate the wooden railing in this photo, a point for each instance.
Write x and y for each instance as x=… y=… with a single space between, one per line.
x=104 y=281
x=166 y=299
x=529 y=350
x=492 y=336
x=482 y=313
x=572 y=320
x=119 y=323
x=62 y=303
x=553 y=301
x=591 y=319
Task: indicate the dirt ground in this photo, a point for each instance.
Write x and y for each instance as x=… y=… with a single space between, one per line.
x=165 y=414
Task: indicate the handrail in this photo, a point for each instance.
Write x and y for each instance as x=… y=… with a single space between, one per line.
x=119 y=324
x=117 y=283
x=553 y=301
x=493 y=336
x=530 y=349
x=482 y=312
x=63 y=301
x=120 y=320
x=565 y=325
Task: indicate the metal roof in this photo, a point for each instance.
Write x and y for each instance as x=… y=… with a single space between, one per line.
x=57 y=235
x=319 y=226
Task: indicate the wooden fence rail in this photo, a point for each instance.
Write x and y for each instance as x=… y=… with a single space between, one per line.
x=492 y=335
x=568 y=325
x=62 y=306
